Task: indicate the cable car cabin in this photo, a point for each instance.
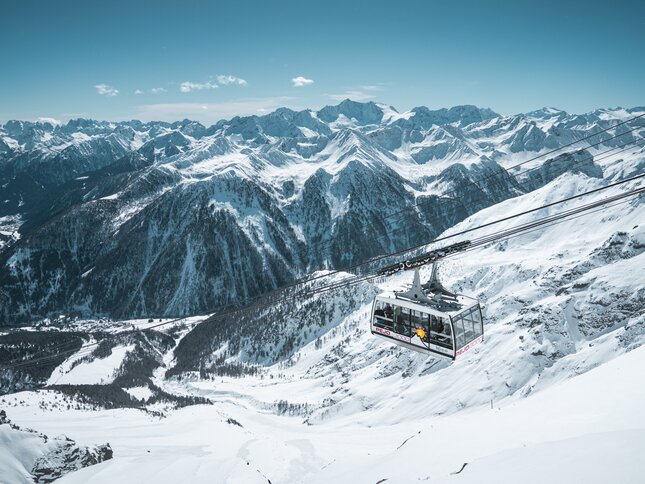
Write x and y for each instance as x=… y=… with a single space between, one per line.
x=443 y=324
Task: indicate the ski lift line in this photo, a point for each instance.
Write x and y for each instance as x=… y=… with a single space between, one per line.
x=509 y=235
x=307 y=279
x=463 y=232
x=625 y=147
x=584 y=139
x=477 y=243
x=370 y=277
x=604 y=154
x=507 y=170
x=526 y=228
x=563 y=215
x=493 y=237
x=534 y=229
x=620 y=182
x=550 y=224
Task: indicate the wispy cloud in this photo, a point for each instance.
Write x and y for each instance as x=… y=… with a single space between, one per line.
x=372 y=87
x=301 y=81
x=52 y=121
x=158 y=90
x=105 y=90
x=75 y=115
x=211 y=112
x=188 y=86
x=138 y=91
x=226 y=80
x=353 y=95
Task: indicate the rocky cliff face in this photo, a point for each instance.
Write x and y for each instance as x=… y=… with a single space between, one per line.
x=30 y=456
x=132 y=219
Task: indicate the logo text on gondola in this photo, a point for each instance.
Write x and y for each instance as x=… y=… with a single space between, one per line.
x=469 y=345
x=392 y=334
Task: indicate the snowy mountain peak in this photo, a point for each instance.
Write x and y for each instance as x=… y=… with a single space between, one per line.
x=352 y=112
x=464 y=115
x=546 y=113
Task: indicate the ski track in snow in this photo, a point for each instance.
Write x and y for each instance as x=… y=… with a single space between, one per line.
x=98 y=371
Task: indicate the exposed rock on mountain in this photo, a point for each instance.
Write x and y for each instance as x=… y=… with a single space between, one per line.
x=29 y=456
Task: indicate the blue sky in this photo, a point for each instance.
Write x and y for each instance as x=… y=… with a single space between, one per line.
x=207 y=60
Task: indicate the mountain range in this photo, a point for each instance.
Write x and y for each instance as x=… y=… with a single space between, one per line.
x=132 y=219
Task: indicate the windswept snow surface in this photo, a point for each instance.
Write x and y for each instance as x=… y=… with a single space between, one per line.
x=18 y=451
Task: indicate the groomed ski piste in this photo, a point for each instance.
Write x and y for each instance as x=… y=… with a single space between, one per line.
x=553 y=394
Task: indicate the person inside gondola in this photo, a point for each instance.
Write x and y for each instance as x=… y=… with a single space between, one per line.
x=436 y=325
x=439 y=331
x=447 y=334
x=388 y=312
x=379 y=314
x=400 y=318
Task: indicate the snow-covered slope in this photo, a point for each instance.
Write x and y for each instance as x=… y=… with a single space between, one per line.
x=98 y=371
x=27 y=456
x=567 y=433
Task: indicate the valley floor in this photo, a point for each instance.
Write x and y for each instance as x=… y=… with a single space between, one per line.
x=590 y=428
